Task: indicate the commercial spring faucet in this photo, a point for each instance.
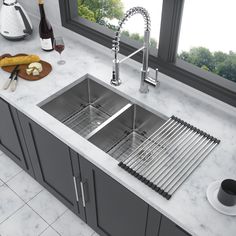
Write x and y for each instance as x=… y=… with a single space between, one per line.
x=145 y=78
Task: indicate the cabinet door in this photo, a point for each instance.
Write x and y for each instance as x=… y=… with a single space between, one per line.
x=153 y=223
x=168 y=228
x=11 y=138
x=111 y=209
x=51 y=160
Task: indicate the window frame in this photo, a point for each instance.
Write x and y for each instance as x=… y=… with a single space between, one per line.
x=165 y=58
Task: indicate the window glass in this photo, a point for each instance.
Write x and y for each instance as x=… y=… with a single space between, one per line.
x=208 y=36
x=109 y=12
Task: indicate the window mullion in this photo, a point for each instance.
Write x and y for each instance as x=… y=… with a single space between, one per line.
x=73 y=6
x=170 y=29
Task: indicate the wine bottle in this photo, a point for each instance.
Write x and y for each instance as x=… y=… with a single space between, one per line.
x=45 y=29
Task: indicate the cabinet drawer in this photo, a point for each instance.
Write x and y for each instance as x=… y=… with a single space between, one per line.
x=153 y=222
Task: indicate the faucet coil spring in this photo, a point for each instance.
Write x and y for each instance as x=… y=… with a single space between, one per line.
x=128 y=14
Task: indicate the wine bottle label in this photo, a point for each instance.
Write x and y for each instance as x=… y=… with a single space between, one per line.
x=46 y=44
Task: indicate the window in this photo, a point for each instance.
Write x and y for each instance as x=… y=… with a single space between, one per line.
x=208 y=38
x=108 y=13
x=201 y=20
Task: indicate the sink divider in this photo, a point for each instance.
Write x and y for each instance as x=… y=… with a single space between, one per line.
x=109 y=120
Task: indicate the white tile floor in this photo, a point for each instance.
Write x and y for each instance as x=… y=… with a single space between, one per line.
x=27 y=209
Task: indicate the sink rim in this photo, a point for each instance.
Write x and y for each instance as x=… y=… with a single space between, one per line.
x=106 y=85
x=130 y=102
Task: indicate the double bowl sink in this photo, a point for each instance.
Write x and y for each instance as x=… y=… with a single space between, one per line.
x=107 y=119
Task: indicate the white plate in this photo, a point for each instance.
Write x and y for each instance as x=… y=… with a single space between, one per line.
x=212 y=192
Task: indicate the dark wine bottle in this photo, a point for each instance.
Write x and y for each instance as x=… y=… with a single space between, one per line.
x=45 y=30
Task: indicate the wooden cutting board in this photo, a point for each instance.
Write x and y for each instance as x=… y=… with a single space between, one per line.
x=47 y=68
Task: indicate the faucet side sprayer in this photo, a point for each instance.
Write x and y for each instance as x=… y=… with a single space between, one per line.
x=145 y=78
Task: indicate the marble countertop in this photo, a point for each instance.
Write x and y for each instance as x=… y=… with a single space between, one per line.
x=188 y=207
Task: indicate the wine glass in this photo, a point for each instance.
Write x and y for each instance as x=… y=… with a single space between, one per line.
x=59 y=46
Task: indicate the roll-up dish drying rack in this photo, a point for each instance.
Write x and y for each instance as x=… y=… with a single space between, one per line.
x=168 y=157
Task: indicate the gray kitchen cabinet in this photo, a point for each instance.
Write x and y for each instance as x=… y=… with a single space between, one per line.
x=11 y=138
x=169 y=228
x=153 y=222
x=111 y=209
x=107 y=206
x=52 y=164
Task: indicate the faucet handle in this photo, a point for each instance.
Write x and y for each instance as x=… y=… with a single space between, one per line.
x=153 y=81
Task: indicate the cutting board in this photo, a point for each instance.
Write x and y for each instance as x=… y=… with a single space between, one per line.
x=47 y=68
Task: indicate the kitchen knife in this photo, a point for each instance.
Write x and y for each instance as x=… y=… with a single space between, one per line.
x=9 y=80
x=15 y=81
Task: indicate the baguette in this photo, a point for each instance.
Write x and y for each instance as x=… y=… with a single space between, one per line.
x=19 y=60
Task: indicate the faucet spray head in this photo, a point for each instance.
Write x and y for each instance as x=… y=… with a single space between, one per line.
x=116 y=73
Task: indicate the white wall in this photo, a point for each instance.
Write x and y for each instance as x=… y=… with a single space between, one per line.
x=51 y=8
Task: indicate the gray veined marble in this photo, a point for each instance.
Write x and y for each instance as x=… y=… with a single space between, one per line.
x=8 y=168
x=9 y=203
x=188 y=207
x=24 y=223
x=49 y=232
x=71 y=225
x=47 y=206
x=25 y=186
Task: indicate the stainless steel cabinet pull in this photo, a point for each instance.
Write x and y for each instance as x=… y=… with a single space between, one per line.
x=82 y=191
x=76 y=189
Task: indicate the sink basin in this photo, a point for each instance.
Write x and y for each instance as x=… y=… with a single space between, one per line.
x=125 y=133
x=85 y=106
x=106 y=119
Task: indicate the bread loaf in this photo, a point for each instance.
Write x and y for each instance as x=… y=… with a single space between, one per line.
x=19 y=60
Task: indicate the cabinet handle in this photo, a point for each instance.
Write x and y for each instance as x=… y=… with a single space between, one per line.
x=82 y=191
x=76 y=189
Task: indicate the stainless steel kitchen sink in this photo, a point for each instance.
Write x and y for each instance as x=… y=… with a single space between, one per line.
x=85 y=106
x=108 y=120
